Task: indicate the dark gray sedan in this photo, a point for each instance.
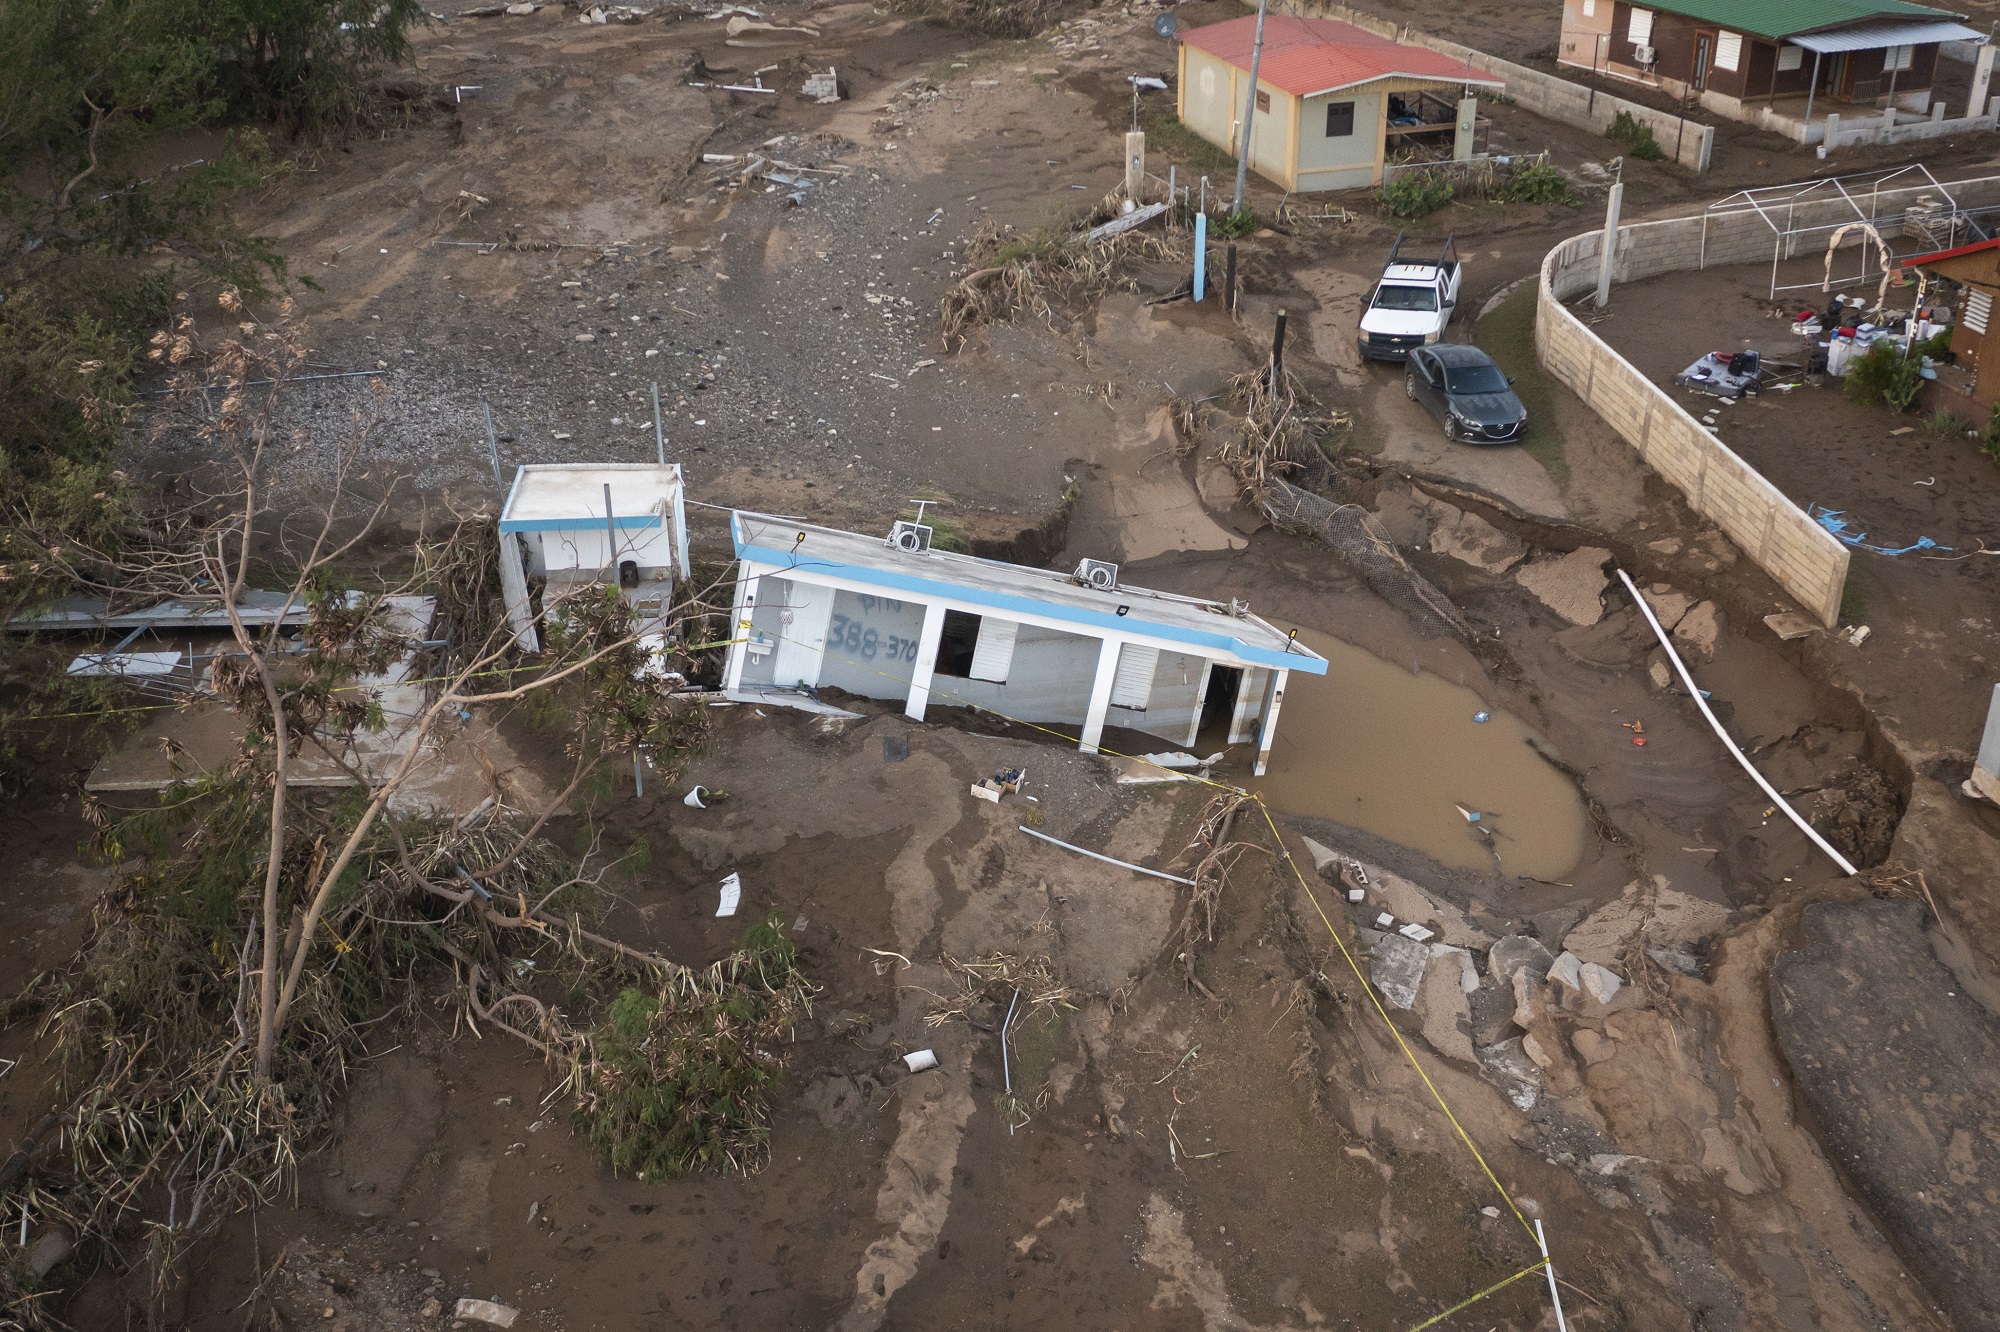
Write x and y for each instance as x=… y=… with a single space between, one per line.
x=1462 y=387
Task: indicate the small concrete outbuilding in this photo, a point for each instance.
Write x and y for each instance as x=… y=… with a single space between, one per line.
x=819 y=608
x=571 y=524
x=1334 y=103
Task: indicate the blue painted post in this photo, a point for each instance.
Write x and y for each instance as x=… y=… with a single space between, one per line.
x=1200 y=254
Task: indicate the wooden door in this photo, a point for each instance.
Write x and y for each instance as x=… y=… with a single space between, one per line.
x=1704 y=55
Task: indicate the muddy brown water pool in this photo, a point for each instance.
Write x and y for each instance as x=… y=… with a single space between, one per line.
x=1377 y=747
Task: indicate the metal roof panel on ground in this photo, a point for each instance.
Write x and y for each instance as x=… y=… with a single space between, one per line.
x=1014 y=587
x=1782 y=18
x=1307 y=57
x=81 y=614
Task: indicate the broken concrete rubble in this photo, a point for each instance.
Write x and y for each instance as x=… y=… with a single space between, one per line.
x=1470 y=539
x=1699 y=629
x=1517 y=952
x=1397 y=969
x=1516 y=1074
x=1571 y=585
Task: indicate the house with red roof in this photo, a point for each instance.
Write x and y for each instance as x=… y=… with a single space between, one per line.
x=1333 y=102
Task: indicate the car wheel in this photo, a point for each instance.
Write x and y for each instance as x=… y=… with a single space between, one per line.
x=1410 y=385
x=1451 y=429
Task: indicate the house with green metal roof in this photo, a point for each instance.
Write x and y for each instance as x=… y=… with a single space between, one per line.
x=1787 y=65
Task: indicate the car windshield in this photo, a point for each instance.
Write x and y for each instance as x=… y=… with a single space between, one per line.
x=1405 y=298
x=1475 y=379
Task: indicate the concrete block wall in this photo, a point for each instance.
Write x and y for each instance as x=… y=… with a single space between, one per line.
x=1804 y=559
x=1686 y=141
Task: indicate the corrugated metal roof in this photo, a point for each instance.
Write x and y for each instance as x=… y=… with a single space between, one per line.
x=1783 y=18
x=1307 y=57
x=1876 y=37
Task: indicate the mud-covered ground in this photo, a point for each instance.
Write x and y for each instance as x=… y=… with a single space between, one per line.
x=1188 y=1158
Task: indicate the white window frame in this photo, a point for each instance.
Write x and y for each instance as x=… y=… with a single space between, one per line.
x=1640 y=30
x=1590 y=8
x=1899 y=59
x=1790 y=57
x=1729 y=50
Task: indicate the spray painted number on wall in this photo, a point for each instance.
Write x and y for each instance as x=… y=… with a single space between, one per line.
x=858 y=640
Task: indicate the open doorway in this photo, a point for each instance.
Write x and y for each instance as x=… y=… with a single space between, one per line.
x=1218 y=705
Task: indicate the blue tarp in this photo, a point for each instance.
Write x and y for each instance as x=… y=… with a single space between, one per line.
x=1834 y=521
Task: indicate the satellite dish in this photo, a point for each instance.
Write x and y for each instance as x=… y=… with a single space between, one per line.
x=1166 y=25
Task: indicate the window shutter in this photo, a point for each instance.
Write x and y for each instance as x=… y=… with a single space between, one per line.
x=994 y=652
x=1978 y=310
x=1791 y=57
x=1641 y=31
x=1133 y=684
x=1339 y=119
x=1729 y=51
x=1590 y=8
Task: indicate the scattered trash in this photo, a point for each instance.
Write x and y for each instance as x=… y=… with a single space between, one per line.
x=1482 y=716
x=1123 y=224
x=1835 y=522
x=693 y=799
x=919 y=1060
x=1471 y=815
x=822 y=88
x=1385 y=921
x=1724 y=375
x=486 y=1311
x=1417 y=932
x=1857 y=635
x=1147 y=81
x=1003 y=782
x=732 y=893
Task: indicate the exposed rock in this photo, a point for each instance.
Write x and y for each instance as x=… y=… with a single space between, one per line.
x=1663 y=915
x=1571 y=585
x=1668 y=605
x=1443 y=1005
x=1566 y=972
x=1665 y=546
x=1527 y=999
x=1700 y=628
x=1600 y=984
x=1515 y=952
x=1491 y=1009
x=1533 y=1049
x=1659 y=671
x=1592 y=1047
x=1472 y=540
x=1551 y=925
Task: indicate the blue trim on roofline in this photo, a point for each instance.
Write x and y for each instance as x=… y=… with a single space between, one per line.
x=1310 y=663
x=585 y=524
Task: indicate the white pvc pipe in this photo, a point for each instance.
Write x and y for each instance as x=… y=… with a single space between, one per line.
x=1548 y=1266
x=1687 y=680
x=1122 y=864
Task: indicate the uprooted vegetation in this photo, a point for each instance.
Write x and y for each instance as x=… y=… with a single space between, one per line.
x=260 y=925
x=995 y=18
x=1053 y=276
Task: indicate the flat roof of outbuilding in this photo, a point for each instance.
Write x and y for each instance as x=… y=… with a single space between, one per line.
x=1204 y=626
x=561 y=497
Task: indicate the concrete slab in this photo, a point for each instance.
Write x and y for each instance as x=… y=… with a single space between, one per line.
x=1470 y=539
x=1397 y=970
x=1571 y=585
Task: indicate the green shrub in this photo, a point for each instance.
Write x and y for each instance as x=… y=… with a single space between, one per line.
x=1537 y=183
x=1238 y=224
x=1410 y=195
x=1946 y=424
x=1989 y=438
x=1937 y=346
x=1637 y=136
x=1885 y=376
x=680 y=1079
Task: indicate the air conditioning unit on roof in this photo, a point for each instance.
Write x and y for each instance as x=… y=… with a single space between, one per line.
x=912 y=537
x=1099 y=574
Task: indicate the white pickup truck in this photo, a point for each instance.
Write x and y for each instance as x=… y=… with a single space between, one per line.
x=1412 y=303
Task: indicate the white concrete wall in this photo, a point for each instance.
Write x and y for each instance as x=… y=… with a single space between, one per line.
x=1205 y=91
x=871 y=645
x=587 y=550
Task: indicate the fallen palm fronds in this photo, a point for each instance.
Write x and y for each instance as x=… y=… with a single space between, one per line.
x=1213 y=855
x=992 y=980
x=1281 y=427
x=1047 y=275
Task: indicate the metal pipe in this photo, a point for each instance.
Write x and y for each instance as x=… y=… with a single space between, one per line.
x=1249 y=114
x=659 y=430
x=1548 y=1266
x=1812 y=90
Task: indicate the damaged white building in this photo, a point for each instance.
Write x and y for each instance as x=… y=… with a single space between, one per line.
x=817 y=608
